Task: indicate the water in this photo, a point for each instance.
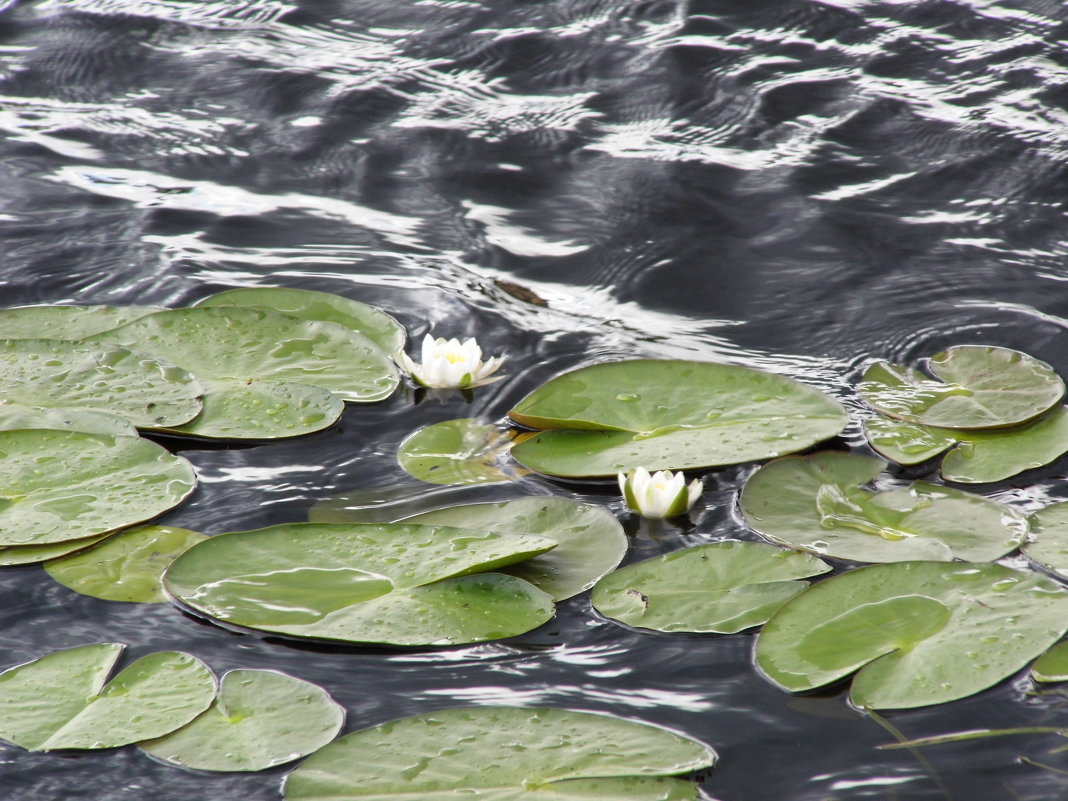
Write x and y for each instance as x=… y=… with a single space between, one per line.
x=795 y=185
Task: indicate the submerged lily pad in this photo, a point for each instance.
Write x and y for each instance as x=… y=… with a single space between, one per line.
x=82 y=377
x=260 y=719
x=976 y=387
x=66 y=322
x=503 y=753
x=1049 y=543
x=721 y=587
x=1052 y=665
x=977 y=456
x=590 y=541
x=664 y=414
x=67 y=485
x=128 y=566
x=308 y=304
x=818 y=503
x=398 y=584
x=464 y=451
x=919 y=633
x=60 y=700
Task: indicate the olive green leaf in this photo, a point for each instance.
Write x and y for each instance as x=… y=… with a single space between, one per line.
x=66 y=322
x=1052 y=665
x=1049 y=538
x=464 y=451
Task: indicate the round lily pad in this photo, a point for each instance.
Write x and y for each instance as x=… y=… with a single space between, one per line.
x=307 y=304
x=721 y=587
x=396 y=583
x=464 y=451
x=590 y=541
x=1049 y=538
x=128 y=566
x=664 y=414
x=976 y=387
x=1052 y=665
x=818 y=503
x=919 y=633
x=503 y=753
x=67 y=485
x=66 y=322
x=261 y=718
x=60 y=700
x=82 y=377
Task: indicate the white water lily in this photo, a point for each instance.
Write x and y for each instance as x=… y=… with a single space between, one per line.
x=451 y=364
x=662 y=494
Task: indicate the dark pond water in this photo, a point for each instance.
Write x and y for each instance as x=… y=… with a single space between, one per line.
x=795 y=185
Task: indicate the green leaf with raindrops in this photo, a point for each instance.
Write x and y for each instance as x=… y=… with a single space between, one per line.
x=820 y=503
x=464 y=451
x=1048 y=545
x=261 y=718
x=503 y=753
x=68 y=485
x=974 y=386
x=665 y=414
x=915 y=633
x=66 y=322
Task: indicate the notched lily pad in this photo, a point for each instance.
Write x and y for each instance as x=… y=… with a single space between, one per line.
x=975 y=387
x=919 y=633
x=721 y=587
x=464 y=451
x=1049 y=538
x=664 y=414
x=819 y=503
x=60 y=700
x=503 y=752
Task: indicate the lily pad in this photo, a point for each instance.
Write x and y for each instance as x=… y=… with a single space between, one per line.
x=663 y=414
x=307 y=304
x=977 y=456
x=66 y=322
x=503 y=753
x=976 y=387
x=818 y=503
x=1049 y=543
x=82 y=377
x=13 y=416
x=67 y=485
x=60 y=700
x=919 y=633
x=396 y=583
x=128 y=566
x=721 y=587
x=1052 y=665
x=464 y=451
x=590 y=541
x=29 y=554
x=260 y=719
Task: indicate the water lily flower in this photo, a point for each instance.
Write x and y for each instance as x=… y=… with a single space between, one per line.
x=451 y=364
x=662 y=494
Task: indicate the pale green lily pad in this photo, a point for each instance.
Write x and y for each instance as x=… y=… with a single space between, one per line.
x=1052 y=665
x=84 y=377
x=980 y=456
x=976 y=387
x=919 y=633
x=128 y=566
x=30 y=554
x=664 y=414
x=60 y=700
x=503 y=753
x=721 y=587
x=1049 y=538
x=398 y=584
x=464 y=451
x=307 y=304
x=67 y=485
x=66 y=322
x=261 y=718
x=818 y=503
x=13 y=416
x=590 y=540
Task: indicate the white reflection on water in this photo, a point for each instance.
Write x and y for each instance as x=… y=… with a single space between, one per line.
x=512 y=696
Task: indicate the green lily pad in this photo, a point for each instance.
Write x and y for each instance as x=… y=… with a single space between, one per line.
x=503 y=753
x=976 y=387
x=817 y=503
x=980 y=456
x=590 y=540
x=82 y=377
x=30 y=554
x=67 y=485
x=128 y=566
x=260 y=719
x=1052 y=665
x=919 y=633
x=66 y=322
x=395 y=583
x=13 y=416
x=307 y=304
x=721 y=587
x=464 y=451
x=60 y=700
x=1049 y=538
x=663 y=414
